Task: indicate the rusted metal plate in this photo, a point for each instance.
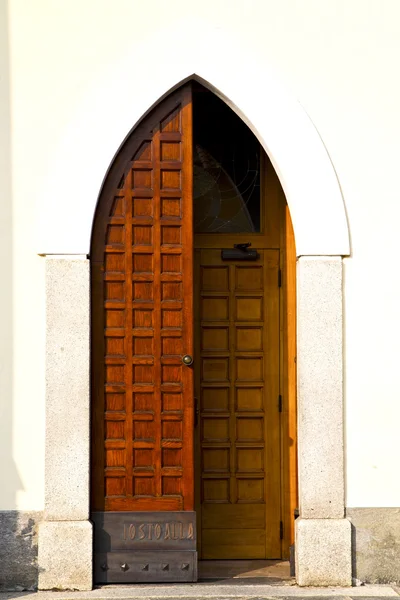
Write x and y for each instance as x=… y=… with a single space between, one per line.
x=145 y=546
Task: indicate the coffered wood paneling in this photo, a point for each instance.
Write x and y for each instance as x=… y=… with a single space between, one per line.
x=142 y=446
x=237 y=388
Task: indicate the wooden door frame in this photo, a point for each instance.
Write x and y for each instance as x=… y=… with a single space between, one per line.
x=322 y=528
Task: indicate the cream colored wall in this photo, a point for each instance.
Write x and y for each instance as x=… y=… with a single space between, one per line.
x=21 y=304
x=338 y=58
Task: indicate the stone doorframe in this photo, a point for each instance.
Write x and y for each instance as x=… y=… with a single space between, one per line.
x=323 y=535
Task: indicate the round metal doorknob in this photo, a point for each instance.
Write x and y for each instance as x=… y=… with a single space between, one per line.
x=187 y=360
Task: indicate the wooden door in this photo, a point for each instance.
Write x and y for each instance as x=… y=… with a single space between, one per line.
x=238 y=391
x=142 y=326
x=142 y=322
x=237 y=200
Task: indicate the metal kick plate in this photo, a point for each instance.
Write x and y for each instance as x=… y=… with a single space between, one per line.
x=145 y=567
x=142 y=547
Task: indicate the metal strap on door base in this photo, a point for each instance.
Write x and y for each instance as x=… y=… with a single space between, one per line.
x=139 y=547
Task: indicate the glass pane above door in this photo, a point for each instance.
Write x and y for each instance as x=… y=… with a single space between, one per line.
x=226 y=169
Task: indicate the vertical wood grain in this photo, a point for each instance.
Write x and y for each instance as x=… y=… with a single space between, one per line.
x=142 y=318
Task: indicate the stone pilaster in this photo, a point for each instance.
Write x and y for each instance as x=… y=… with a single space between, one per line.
x=65 y=535
x=321 y=530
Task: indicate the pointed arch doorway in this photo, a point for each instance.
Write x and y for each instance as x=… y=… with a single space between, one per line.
x=177 y=444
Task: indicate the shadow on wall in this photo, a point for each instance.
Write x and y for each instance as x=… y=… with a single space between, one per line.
x=18 y=547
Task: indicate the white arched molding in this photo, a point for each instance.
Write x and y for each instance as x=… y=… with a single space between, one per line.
x=124 y=92
x=115 y=102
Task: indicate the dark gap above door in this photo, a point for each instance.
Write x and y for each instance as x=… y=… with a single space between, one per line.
x=226 y=168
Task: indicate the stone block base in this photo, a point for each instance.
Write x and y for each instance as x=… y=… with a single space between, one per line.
x=376 y=544
x=323 y=552
x=65 y=555
x=18 y=550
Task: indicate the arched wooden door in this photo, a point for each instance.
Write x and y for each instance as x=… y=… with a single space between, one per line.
x=142 y=490
x=188 y=185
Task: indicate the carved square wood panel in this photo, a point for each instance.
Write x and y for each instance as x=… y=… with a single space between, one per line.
x=118 y=207
x=215 y=278
x=171 y=318
x=114 y=317
x=215 y=399
x=114 y=430
x=142 y=318
x=248 y=278
x=143 y=486
x=144 y=431
x=142 y=457
x=142 y=207
x=115 y=458
x=171 y=401
x=142 y=291
x=171 y=290
x=114 y=345
x=114 y=290
x=115 y=401
x=215 y=308
x=249 y=339
x=171 y=235
x=115 y=486
x=171 y=373
x=171 y=263
x=215 y=338
x=215 y=430
x=142 y=263
x=249 y=460
x=172 y=486
x=142 y=235
x=142 y=178
x=215 y=369
x=115 y=235
x=216 y=490
x=115 y=262
x=143 y=346
x=171 y=208
x=144 y=152
x=143 y=402
x=143 y=374
x=170 y=180
x=172 y=123
x=249 y=369
x=249 y=309
x=171 y=457
x=171 y=151
x=215 y=460
x=249 y=399
x=172 y=346
x=250 y=490
x=249 y=429
x=171 y=430
x=115 y=374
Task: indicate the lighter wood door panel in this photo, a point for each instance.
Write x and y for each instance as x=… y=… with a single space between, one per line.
x=237 y=387
x=141 y=259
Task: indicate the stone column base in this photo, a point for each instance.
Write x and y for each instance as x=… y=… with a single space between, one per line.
x=65 y=555
x=323 y=552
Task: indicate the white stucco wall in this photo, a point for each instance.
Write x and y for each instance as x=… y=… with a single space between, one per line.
x=82 y=73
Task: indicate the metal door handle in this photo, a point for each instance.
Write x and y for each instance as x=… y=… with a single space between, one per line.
x=187 y=360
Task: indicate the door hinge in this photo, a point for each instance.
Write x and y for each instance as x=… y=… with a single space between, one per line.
x=281 y=530
x=280 y=278
x=280 y=402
